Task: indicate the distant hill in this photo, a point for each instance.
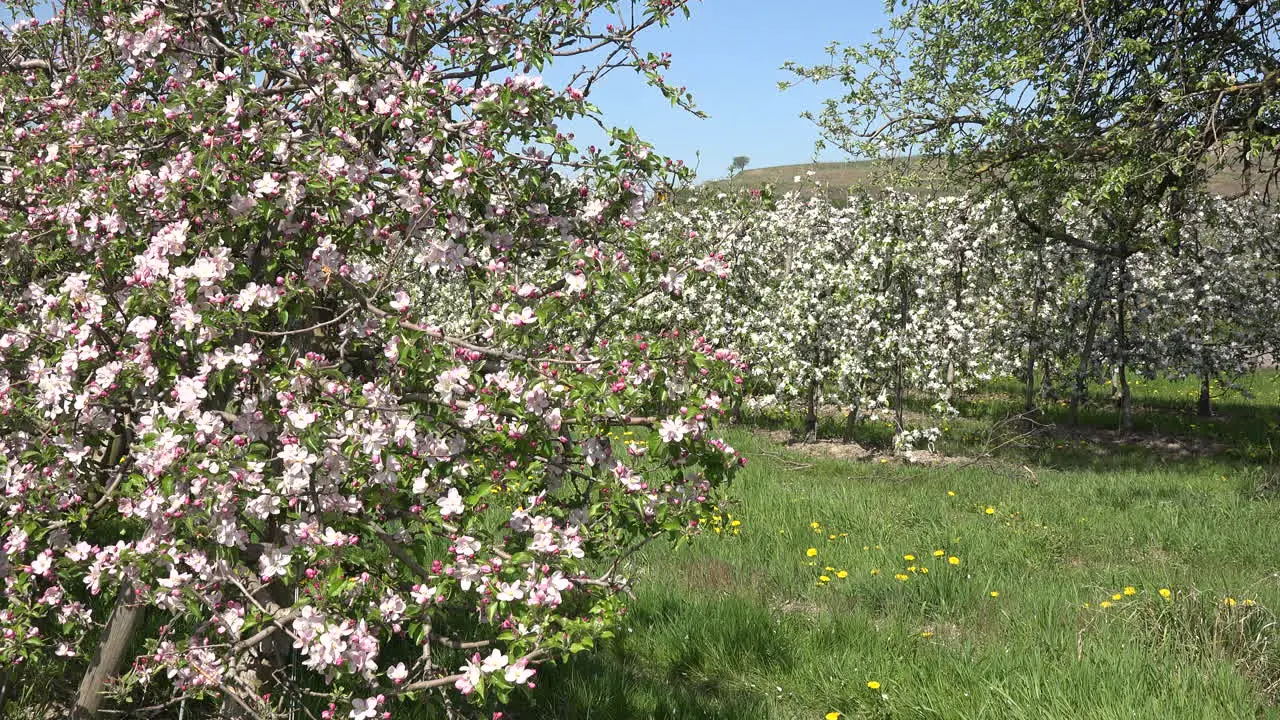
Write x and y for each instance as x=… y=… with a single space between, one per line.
x=863 y=173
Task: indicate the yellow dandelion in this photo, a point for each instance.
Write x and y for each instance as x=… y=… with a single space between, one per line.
x=926 y=634
x=1117 y=596
x=1104 y=604
x=990 y=511
x=939 y=553
x=815 y=525
x=735 y=523
x=811 y=552
x=1229 y=602
x=873 y=684
x=875 y=571
x=1165 y=593
x=908 y=558
x=1250 y=603
x=951 y=493
x=995 y=593
x=901 y=578
x=953 y=560
x=1130 y=591
x=842 y=574
x=833 y=715
x=924 y=571
x=824 y=578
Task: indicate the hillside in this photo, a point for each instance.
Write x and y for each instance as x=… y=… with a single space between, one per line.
x=863 y=173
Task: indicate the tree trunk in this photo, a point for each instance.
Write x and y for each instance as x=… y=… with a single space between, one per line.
x=1126 y=401
x=811 y=416
x=851 y=420
x=1030 y=403
x=1086 y=353
x=105 y=665
x=1204 y=408
x=1034 y=342
x=1122 y=331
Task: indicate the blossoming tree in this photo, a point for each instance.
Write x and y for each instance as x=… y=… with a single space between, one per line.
x=310 y=354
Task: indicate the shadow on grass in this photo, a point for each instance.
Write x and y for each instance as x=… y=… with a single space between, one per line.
x=1244 y=430
x=672 y=666
x=607 y=684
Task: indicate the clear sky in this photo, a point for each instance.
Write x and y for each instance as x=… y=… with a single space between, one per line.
x=729 y=54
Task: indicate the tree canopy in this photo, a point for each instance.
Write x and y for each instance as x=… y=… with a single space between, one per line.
x=1107 y=102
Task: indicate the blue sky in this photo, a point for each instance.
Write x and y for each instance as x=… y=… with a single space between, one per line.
x=729 y=54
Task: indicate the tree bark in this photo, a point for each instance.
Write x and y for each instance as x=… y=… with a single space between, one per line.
x=1204 y=407
x=1126 y=399
x=105 y=665
x=1086 y=353
x=1030 y=400
x=1034 y=342
x=851 y=420
x=811 y=414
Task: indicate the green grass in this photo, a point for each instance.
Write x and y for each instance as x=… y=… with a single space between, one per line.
x=741 y=626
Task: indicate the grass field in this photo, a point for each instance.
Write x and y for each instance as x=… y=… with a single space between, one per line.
x=1092 y=578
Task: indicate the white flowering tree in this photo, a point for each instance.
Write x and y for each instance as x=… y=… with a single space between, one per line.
x=886 y=299
x=854 y=303
x=310 y=353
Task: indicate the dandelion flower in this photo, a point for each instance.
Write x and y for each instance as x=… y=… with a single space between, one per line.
x=1165 y=593
x=815 y=525
x=951 y=493
x=990 y=510
x=811 y=552
x=908 y=557
x=926 y=634
x=875 y=571
x=1117 y=596
x=939 y=553
x=873 y=684
x=842 y=574
x=901 y=578
x=1130 y=591
x=833 y=715
x=953 y=560
x=1104 y=604
x=995 y=593
x=824 y=578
